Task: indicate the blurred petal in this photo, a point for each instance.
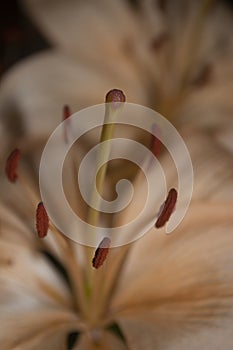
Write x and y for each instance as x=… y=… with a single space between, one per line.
x=183 y=278
x=213 y=178
x=224 y=137
x=27 y=270
x=92 y=28
x=37 y=329
x=212 y=165
x=210 y=106
x=159 y=331
x=177 y=290
x=34 y=92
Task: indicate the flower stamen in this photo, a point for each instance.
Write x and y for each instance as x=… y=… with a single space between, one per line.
x=167 y=209
x=66 y=115
x=115 y=96
x=12 y=165
x=42 y=220
x=155 y=142
x=11 y=170
x=101 y=253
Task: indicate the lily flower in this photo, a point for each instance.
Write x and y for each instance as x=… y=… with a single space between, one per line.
x=169 y=292
x=165 y=292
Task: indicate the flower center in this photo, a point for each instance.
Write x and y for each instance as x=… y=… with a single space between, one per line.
x=92 y=284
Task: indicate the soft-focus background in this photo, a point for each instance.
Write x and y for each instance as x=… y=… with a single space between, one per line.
x=19 y=37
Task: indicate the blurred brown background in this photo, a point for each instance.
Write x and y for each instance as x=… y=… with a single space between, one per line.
x=20 y=38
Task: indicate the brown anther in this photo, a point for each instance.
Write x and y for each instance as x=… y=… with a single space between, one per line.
x=101 y=253
x=66 y=112
x=167 y=209
x=155 y=142
x=66 y=115
x=12 y=165
x=42 y=220
x=115 y=96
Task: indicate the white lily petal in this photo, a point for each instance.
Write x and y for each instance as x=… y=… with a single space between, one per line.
x=225 y=137
x=35 y=91
x=213 y=179
x=212 y=166
x=177 y=290
x=92 y=28
x=210 y=106
x=33 y=328
x=195 y=261
x=144 y=333
x=29 y=271
x=174 y=288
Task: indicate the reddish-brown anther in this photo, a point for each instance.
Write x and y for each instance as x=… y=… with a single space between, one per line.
x=12 y=165
x=101 y=253
x=42 y=220
x=168 y=208
x=115 y=95
x=155 y=142
x=66 y=115
x=66 y=112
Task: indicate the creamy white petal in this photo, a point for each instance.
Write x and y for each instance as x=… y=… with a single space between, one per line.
x=225 y=137
x=212 y=166
x=35 y=91
x=38 y=327
x=178 y=289
x=195 y=261
x=97 y=32
x=213 y=178
x=210 y=106
x=145 y=333
x=28 y=270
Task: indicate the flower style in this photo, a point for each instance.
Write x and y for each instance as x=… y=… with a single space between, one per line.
x=161 y=292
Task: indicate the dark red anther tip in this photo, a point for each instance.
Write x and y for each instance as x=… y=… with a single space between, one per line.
x=12 y=165
x=42 y=220
x=101 y=253
x=155 y=141
x=115 y=95
x=66 y=112
x=168 y=208
x=66 y=115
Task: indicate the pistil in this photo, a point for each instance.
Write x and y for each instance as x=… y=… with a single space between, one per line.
x=114 y=100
